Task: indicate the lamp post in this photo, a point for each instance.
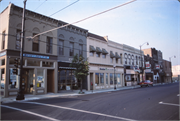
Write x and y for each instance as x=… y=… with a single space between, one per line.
x=20 y=95
x=141 y=58
x=171 y=57
x=114 y=77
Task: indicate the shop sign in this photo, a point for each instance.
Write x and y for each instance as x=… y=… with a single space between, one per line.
x=68 y=88
x=157 y=67
x=130 y=71
x=39 y=78
x=156 y=76
x=2 y=54
x=148 y=70
x=36 y=56
x=3 y=76
x=107 y=69
x=136 y=68
x=148 y=65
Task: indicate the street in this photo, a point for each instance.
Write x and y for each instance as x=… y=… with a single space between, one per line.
x=147 y=103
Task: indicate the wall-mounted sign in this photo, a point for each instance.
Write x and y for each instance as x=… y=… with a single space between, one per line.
x=107 y=69
x=136 y=68
x=2 y=54
x=157 y=66
x=148 y=70
x=148 y=65
x=36 y=56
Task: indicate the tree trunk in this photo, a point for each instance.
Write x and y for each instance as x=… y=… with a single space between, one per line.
x=81 y=85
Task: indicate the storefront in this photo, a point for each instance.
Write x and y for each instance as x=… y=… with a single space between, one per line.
x=38 y=76
x=149 y=75
x=66 y=77
x=104 y=77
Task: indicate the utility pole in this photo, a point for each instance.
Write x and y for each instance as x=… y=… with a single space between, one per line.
x=20 y=95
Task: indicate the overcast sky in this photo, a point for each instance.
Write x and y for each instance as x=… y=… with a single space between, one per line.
x=153 y=21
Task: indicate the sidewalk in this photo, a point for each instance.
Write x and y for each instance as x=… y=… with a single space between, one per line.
x=64 y=94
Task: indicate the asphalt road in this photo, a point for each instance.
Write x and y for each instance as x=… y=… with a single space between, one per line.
x=133 y=104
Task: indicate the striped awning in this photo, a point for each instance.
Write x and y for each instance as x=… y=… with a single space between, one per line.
x=67 y=68
x=98 y=50
x=92 y=49
x=112 y=54
x=104 y=51
x=117 y=55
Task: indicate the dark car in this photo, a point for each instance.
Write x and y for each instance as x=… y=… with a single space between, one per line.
x=146 y=83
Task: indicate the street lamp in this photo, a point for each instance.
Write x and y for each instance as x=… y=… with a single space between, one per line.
x=114 y=77
x=171 y=57
x=141 y=57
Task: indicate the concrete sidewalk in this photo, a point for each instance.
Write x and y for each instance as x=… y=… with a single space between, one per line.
x=64 y=94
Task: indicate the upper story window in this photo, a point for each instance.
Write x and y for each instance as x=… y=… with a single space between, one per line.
x=91 y=53
x=136 y=60
x=111 y=60
x=35 y=46
x=117 y=60
x=125 y=58
x=103 y=55
x=80 y=50
x=49 y=45
x=129 y=59
x=132 y=59
x=3 y=40
x=61 y=47
x=97 y=54
x=71 y=49
x=18 y=39
x=121 y=58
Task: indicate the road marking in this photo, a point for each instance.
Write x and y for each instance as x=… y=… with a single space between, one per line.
x=29 y=112
x=168 y=104
x=89 y=112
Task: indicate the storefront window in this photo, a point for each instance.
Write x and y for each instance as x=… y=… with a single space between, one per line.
x=97 y=79
x=3 y=62
x=106 y=78
x=47 y=64
x=118 y=79
x=102 y=78
x=2 y=79
x=111 y=79
x=62 y=80
x=11 y=61
x=33 y=63
x=40 y=77
x=13 y=79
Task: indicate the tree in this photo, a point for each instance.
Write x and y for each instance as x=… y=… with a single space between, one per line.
x=82 y=68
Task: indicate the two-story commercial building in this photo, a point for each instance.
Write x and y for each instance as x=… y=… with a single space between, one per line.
x=105 y=62
x=40 y=54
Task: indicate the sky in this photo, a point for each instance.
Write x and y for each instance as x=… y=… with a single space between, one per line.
x=153 y=21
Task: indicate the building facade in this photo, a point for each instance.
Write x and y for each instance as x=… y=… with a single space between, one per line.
x=167 y=71
x=71 y=41
x=154 y=65
x=133 y=62
x=105 y=62
x=40 y=65
x=175 y=72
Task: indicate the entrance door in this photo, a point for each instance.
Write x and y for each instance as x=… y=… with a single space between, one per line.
x=91 y=81
x=50 y=80
x=27 y=80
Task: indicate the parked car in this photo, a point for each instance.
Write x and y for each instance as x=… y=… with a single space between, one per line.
x=146 y=83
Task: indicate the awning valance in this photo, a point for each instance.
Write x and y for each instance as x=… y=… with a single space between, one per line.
x=92 y=49
x=98 y=50
x=117 y=56
x=67 y=68
x=112 y=55
x=104 y=51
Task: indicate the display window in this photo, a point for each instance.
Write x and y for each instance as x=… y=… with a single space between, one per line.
x=40 y=78
x=2 y=78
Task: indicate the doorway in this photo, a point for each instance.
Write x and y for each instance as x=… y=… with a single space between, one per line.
x=27 y=80
x=50 y=81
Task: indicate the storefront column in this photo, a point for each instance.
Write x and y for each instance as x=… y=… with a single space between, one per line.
x=88 y=82
x=56 y=77
x=6 y=78
x=104 y=80
x=108 y=80
x=94 y=81
x=123 y=83
x=45 y=80
x=35 y=81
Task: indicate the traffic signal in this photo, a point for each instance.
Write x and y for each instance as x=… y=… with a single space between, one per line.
x=16 y=62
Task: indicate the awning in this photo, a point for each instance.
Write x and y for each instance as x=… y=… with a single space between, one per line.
x=67 y=68
x=104 y=51
x=92 y=49
x=112 y=54
x=98 y=50
x=117 y=56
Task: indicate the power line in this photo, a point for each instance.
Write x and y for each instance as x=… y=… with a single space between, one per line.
x=64 y=7
x=40 y=5
x=82 y=19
